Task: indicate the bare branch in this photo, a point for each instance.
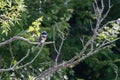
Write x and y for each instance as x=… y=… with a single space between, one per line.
x=105 y=15
x=22 y=59
x=28 y=63
x=54 y=44
x=109 y=42
x=98 y=12
x=116 y=72
x=20 y=38
x=18 y=67
x=11 y=52
x=60 y=47
x=75 y=60
x=62 y=38
x=91 y=26
x=57 y=57
x=89 y=44
x=82 y=41
x=113 y=21
x=13 y=67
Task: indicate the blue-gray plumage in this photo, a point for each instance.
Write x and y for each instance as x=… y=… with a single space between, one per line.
x=43 y=37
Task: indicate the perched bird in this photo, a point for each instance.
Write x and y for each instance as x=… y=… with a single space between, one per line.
x=43 y=37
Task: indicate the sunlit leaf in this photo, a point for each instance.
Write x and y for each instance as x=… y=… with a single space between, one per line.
x=31 y=29
x=14 y=62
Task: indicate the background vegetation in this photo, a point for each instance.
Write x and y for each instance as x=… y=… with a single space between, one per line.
x=28 y=18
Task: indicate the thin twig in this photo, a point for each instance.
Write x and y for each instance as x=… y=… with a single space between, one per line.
x=60 y=47
x=28 y=63
x=22 y=58
x=11 y=52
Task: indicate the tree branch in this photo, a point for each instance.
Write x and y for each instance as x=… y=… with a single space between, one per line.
x=20 y=38
x=22 y=59
x=90 y=43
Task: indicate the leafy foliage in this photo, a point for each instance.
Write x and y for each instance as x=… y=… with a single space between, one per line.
x=27 y=18
x=10 y=14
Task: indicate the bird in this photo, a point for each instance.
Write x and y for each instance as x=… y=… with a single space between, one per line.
x=43 y=37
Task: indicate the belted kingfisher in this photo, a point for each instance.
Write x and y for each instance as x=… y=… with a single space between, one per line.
x=43 y=37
